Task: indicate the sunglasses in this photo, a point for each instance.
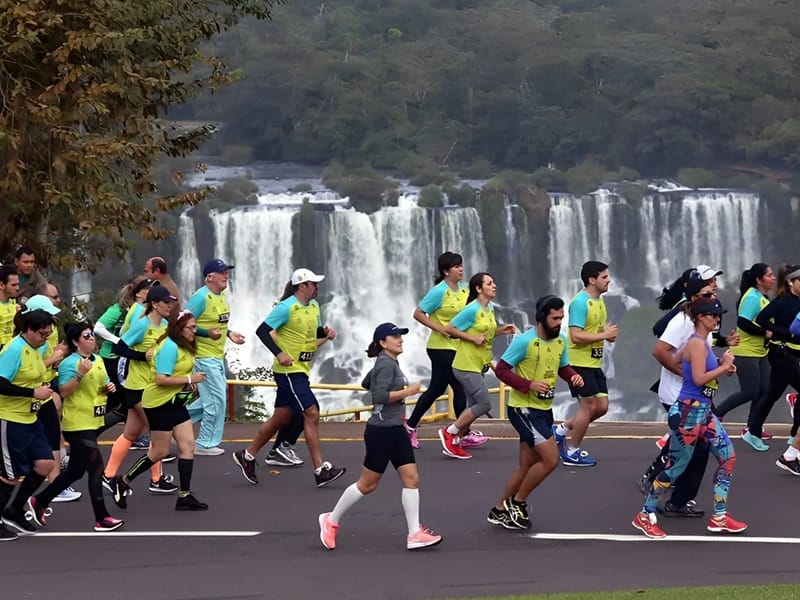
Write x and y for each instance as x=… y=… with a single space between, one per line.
x=88 y=335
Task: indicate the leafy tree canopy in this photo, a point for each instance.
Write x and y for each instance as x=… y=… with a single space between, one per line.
x=85 y=87
x=651 y=85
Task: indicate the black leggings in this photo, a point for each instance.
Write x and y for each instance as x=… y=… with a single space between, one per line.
x=753 y=375
x=84 y=457
x=441 y=377
x=785 y=371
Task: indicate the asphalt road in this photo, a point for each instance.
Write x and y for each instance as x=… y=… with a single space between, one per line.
x=262 y=541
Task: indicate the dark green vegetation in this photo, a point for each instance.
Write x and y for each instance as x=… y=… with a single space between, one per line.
x=84 y=89
x=517 y=84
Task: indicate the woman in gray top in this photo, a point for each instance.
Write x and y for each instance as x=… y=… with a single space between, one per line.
x=386 y=441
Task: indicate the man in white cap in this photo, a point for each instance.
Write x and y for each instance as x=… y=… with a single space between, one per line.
x=209 y=305
x=293 y=331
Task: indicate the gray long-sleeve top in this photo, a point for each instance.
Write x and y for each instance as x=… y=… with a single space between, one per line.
x=385 y=377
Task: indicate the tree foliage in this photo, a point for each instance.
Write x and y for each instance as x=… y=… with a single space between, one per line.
x=86 y=86
x=520 y=84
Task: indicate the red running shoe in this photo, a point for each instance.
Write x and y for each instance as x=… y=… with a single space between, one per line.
x=725 y=523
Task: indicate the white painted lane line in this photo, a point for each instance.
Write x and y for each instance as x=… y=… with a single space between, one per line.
x=119 y=533
x=609 y=537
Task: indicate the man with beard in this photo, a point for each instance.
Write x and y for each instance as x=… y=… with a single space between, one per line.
x=529 y=366
x=293 y=331
x=589 y=330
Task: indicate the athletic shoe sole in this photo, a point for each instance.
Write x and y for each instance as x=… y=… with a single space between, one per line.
x=419 y=546
x=15 y=527
x=504 y=524
x=647 y=533
x=786 y=468
x=103 y=528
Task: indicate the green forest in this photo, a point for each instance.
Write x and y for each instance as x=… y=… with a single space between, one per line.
x=478 y=86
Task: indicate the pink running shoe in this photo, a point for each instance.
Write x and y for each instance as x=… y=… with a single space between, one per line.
x=327 y=531
x=791 y=399
x=474 y=439
x=412 y=436
x=108 y=524
x=424 y=538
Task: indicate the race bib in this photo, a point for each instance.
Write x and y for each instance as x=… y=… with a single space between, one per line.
x=35 y=406
x=99 y=411
x=223 y=318
x=708 y=392
x=305 y=356
x=548 y=395
x=597 y=353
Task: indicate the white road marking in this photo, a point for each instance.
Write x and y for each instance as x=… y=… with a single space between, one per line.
x=610 y=537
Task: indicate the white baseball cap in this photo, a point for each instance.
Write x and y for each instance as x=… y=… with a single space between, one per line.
x=303 y=275
x=707 y=272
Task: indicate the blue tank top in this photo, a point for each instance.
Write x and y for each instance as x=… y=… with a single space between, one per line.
x=689 y=389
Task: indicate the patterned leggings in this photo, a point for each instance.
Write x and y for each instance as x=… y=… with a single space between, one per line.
x=689 y=421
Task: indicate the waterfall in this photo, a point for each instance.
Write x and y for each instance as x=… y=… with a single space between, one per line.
x=189 y=271
x=377 y=268
x=702 y=227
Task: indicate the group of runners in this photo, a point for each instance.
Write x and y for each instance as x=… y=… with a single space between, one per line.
x=161 y=369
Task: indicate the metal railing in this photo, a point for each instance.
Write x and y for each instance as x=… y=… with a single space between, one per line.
x=356 y=411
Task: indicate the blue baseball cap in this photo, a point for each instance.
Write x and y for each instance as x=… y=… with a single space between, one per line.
x=40 y=302
x=384 y=330
x=216 y=265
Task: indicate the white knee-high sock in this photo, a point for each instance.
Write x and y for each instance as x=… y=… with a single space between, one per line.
x=347 y=500
x=410 y=500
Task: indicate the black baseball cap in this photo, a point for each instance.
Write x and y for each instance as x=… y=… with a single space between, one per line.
x=384 y=330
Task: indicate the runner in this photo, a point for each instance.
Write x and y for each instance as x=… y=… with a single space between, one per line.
x=529 y=366
x=293 y=332
x=588 y=332
x=691 y=419
x=672 y=339
x=790 y=460
x=49 y=414
x=23 y=442
x=752 y=365
x=9 y=288
x=83 y=383
x=137 y=344
x=164 y=400
x=475 y=327
x=385 y=441
x=210 y=304
x=442 y=302
x=784 y=350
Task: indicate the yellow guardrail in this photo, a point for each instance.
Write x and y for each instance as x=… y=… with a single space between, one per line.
x=356 y=411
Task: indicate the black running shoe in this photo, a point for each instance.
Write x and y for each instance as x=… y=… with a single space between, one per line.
x=518 y=512
x=502 y=518
x=189 y=502
x=15 y=520
x=328 y=474
x=163 y=486
x=107 y=484
x=119 y=491
x=688 y=510
x=248 y=467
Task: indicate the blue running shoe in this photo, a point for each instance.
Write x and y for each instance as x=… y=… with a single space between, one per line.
x=561 y=442
x=579 y=458
x=754 y=442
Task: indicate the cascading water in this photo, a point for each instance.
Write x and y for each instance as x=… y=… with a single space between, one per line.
x=703 y=227
x=377 y=268
x=188 y=275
